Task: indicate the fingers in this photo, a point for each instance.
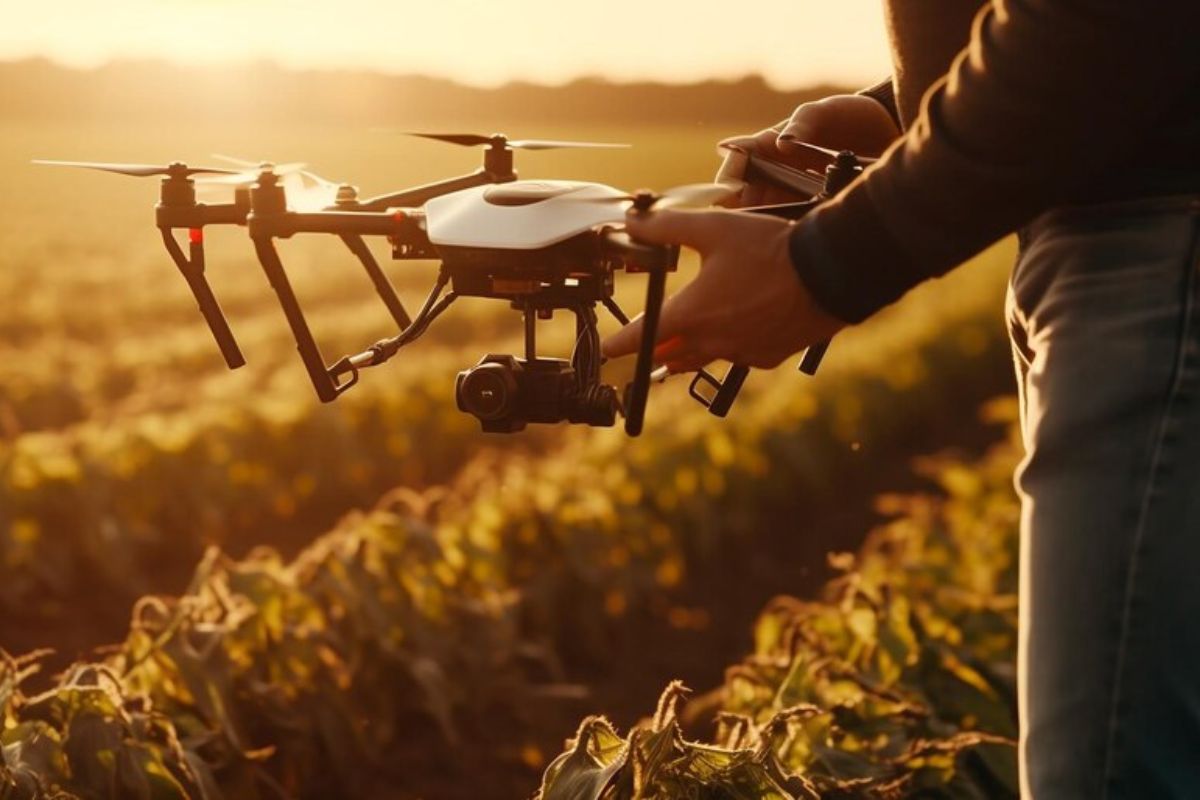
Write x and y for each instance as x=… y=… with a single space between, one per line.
x=751 y=192
x=682 y=366
x=698 y=230
x=765 y=144
x=679 y=355
x=810 y=122
x=802 y=126
x=670 y=326
x=682 y=354
x=674 y=351
x=840 y=122
x=624 y=341
x=752 y=141
x=743 y=142
x=687 y=351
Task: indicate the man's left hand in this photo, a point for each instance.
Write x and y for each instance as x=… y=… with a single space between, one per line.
x=747 y=305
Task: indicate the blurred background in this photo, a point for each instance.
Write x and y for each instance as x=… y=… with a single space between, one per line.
x=127 y=450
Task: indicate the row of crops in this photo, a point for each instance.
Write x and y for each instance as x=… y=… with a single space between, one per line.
x=399 y=636
x=897 y=682
x=435 y=621
x=117 y=509
x=110 y=506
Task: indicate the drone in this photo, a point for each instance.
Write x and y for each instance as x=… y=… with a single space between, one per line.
x=540 y=245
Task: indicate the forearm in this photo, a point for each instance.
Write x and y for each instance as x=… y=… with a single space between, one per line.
x=1045 y=94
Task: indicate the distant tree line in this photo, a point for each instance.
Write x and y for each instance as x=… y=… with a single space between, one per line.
x=263 y=91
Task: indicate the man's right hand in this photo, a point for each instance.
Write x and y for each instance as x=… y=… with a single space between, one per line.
x=841 y=122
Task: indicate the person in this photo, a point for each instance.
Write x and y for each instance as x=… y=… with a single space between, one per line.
x=1077 y=123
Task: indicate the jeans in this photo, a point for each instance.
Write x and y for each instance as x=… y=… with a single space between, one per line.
x=1104 y=312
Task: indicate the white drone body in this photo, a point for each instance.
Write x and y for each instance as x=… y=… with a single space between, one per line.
x=521 y=215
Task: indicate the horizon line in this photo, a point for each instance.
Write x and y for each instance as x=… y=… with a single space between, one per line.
x=261 y=62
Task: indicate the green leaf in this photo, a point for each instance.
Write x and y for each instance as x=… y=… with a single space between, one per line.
x=586 y=770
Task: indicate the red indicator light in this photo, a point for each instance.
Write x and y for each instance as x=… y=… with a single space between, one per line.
x=196 y=235
x=399 y=216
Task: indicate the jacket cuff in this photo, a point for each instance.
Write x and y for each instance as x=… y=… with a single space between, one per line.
x=884 y=93
x=848 y=260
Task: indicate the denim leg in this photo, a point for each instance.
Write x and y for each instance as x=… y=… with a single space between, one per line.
x=1105 y=300
x=1019 y=338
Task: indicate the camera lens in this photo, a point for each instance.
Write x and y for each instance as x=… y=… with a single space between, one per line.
x=487 y=391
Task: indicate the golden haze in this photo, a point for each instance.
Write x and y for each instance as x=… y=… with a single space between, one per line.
x=792 y=44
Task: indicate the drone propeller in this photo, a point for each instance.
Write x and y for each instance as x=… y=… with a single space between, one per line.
x=306 y=191
x=246 y=163
x=692 y=195
x=176 y=170
x=500 y=140
x=314 y=192
x=251 y=169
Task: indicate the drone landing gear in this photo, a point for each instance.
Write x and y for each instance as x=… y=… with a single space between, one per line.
x=192 y=268
x=324 y=380
x=383 y=287
x=725 y=390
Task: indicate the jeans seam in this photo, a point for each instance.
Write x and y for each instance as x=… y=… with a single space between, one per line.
x=1182 y=359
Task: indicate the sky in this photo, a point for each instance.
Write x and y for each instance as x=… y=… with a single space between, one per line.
x=481 y=42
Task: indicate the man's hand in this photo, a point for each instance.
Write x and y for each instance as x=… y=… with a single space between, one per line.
x=841 y=121
x=747 y=305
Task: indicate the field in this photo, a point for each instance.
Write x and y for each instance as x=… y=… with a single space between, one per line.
x=372 y=598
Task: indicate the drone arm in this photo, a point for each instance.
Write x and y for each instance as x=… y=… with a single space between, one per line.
x=192 y=268
x=200 y=215
x=419 y=195
x=341 y=223
x=637 y=256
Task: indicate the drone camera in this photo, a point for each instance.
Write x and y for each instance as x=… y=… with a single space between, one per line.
x=505 y=393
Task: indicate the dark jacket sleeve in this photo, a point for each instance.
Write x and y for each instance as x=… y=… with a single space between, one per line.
x=1046 y=93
